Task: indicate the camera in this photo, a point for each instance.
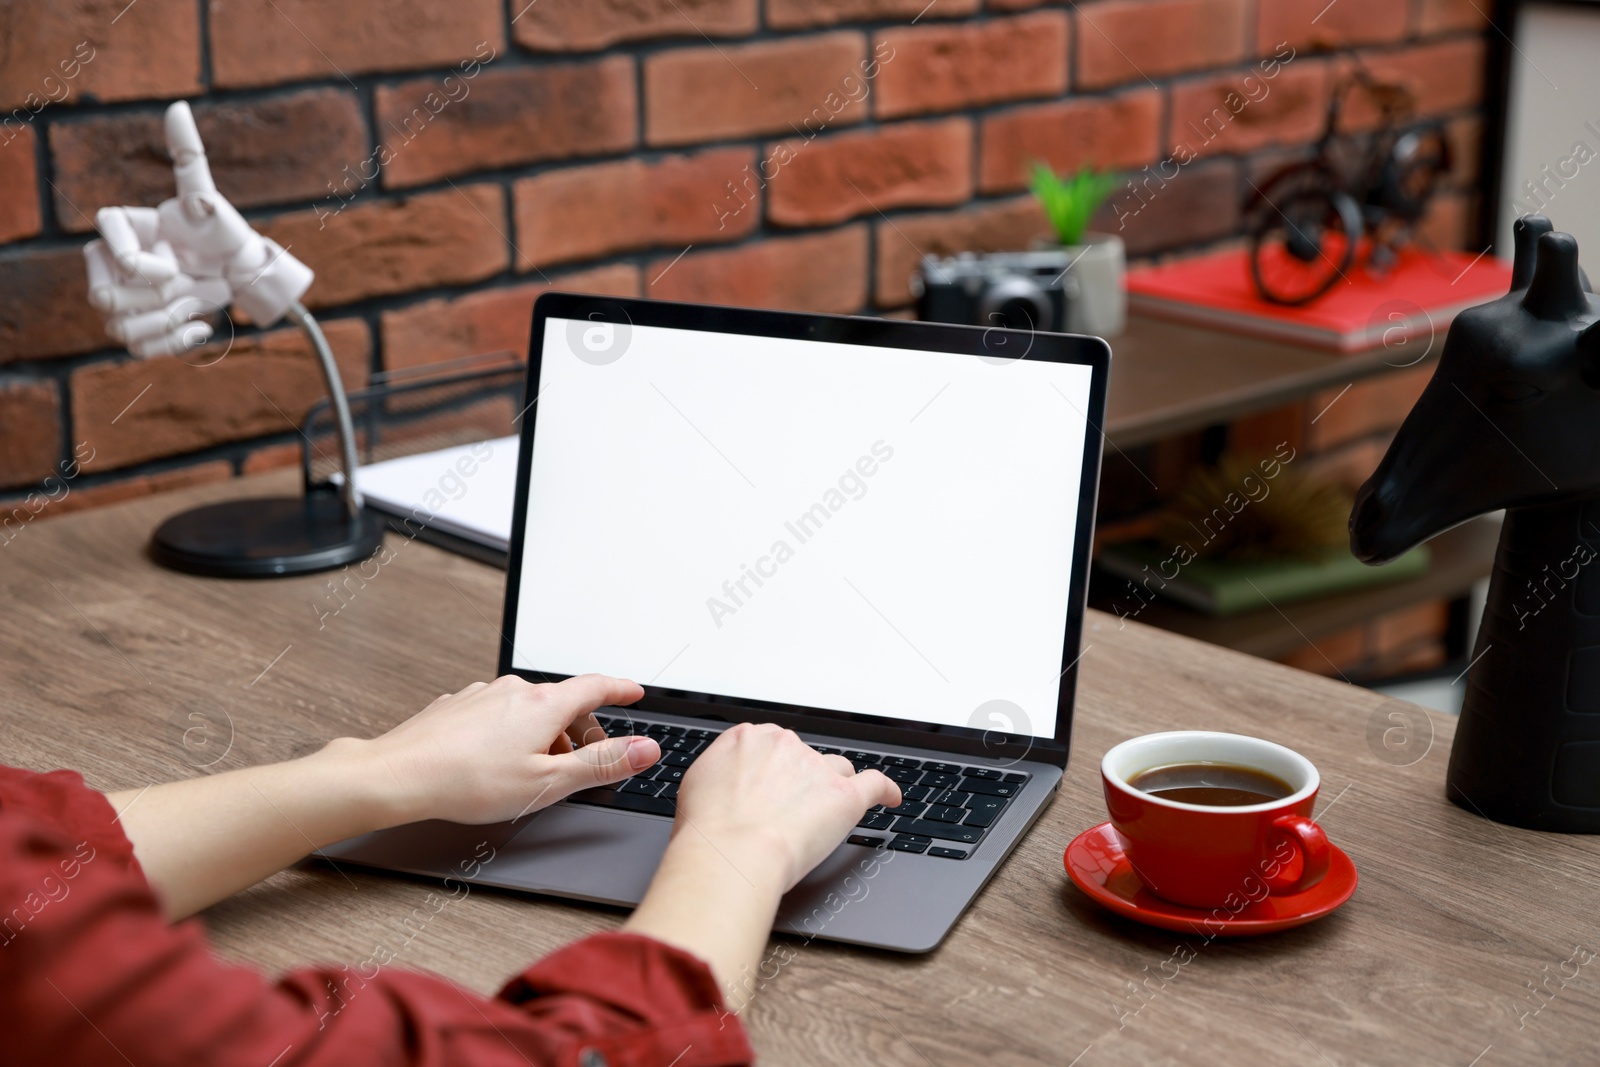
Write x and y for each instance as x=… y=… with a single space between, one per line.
x=1017 y=290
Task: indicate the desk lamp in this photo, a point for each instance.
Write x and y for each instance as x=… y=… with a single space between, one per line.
x=153 y=274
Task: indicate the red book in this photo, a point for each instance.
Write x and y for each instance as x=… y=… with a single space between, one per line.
x=1421 y=293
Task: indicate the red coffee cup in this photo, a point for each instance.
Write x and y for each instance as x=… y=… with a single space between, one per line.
x=1216 y=857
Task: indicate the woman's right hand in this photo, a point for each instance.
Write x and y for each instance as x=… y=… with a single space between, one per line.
x=758 y=791
x=759 y=808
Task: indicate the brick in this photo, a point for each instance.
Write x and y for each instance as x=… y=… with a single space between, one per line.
x=479 y=420
x=806 y=84
x=289 y=40
x=1265 y=165
x=254 y=385
x=1201 y=203
x=817 y=272
x=1305 y=24
x=490 y=320
x=1134 y=40
x=1263 y=433
x=1418 y=659
x=44 y=306
x=433 y=128
x=30 y=431
x=1372 y=406
x=587 y=25
x=451 y=237
x=82 y=497
x=1241 y=112
x=1450 y=222
x=292 y=147
x=1442 y=16
x=1349 y=465
x=1399 y=630
x=1331 y=655
x=941 y=68
x=828 y=180
x=1113 y=132
x=469 y=421
x=802 y=14
x=586 y=212
x=1172 y=460
x=1445 y=76
x=324 y=451
x=19 y=184
x=1465 y=137
x=271 y=458
x=104 y=50
x=1005 y=225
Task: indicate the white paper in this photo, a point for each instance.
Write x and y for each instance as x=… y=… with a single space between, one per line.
x=467 y=491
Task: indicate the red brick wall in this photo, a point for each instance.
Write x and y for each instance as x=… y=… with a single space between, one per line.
x=440 y=163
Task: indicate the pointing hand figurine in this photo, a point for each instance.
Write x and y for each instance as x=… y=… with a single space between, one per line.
x=157 y=270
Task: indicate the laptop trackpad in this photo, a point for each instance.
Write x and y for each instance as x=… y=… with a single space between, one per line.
x=569 y=850
x=607 y=856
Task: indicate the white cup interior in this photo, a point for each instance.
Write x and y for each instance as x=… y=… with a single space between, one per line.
x=1133 y=757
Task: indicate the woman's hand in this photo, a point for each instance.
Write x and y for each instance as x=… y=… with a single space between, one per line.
x=758 y=810
x=499 y=750
x=491 y=752
x=760 y=791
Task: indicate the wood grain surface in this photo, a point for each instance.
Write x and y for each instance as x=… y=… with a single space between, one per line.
x=135 y=675
x=1172 y=377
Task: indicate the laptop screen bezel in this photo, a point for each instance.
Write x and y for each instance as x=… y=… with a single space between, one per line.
x=1091 y=352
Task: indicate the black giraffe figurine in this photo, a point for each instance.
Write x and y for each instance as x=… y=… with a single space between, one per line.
x=1511 y=419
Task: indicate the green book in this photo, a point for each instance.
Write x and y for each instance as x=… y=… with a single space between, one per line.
x=1229 y=587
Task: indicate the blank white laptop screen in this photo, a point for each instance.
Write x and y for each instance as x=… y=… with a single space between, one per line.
x=838 y=526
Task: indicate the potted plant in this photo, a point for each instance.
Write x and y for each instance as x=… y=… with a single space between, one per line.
x=1098 y=259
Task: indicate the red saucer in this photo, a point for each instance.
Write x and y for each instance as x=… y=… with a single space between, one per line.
x=1097 y=865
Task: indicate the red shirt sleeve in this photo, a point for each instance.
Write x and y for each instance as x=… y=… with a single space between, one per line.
x=90 y=974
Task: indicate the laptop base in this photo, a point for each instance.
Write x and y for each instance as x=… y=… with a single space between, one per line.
x=862 y=894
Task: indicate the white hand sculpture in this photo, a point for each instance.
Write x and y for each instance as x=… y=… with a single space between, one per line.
x=158 y=269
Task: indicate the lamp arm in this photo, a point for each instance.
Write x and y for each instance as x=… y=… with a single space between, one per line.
x=341 y=406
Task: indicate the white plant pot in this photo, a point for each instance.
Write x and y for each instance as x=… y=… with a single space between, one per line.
x=1101 y=306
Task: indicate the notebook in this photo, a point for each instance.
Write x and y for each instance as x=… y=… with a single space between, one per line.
x=1229 y=587
x=1421 y=294
x=458 y=498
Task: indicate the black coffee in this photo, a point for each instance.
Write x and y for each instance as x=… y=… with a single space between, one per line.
x=1215 y=785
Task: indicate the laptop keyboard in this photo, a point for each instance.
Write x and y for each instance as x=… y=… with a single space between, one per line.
x=945 y=810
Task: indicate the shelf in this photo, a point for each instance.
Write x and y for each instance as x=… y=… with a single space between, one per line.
x=1169 y=378
x=1461 y=557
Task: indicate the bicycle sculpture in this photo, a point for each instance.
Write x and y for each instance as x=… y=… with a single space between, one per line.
x=1311 y=220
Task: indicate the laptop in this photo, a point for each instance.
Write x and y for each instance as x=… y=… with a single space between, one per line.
x=873 y=532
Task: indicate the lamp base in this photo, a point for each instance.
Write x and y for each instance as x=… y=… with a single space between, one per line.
x=267 y=537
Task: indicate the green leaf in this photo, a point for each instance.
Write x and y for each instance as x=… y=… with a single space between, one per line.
x=1070 y=202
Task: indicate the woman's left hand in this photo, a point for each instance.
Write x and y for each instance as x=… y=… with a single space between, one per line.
x=501 y=749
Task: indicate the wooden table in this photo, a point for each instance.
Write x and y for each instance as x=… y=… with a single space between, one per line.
x=135 y=675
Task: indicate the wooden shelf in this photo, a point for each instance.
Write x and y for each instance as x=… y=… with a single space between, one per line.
x=1461 y=557
x=1168 y=378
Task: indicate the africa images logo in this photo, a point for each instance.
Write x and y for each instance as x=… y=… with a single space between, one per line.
x=1003 y=723
x=598 y=339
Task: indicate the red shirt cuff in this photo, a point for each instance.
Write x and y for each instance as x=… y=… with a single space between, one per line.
x=60 y=800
